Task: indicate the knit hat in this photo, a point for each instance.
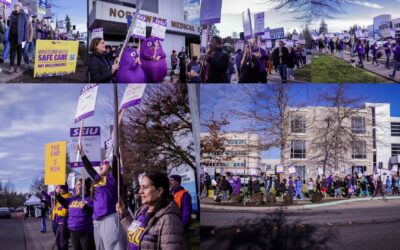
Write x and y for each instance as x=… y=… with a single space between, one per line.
x=177 y=178
x=64 y=187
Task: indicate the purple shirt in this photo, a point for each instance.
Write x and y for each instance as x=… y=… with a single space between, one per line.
x=237 y=187
x=387 y=47
x=105 y=197
x=397 y=53
x=80 y=220
x=135 y=233
x=261 y=59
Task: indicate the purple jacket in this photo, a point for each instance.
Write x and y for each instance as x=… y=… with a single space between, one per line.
x=261 y=59
x=329 y=180
x=186 y=207
x=80 y=215
x=387 y=48
x=238 y=185
x=397 y=53
x=360 y=49
x=374 y=49
x=105 y=191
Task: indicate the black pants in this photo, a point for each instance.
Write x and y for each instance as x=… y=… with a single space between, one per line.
x=62 y=237
x=82 y=241
x=360 y=57
x=262 y=76
x=14 y=46
x=172 y=70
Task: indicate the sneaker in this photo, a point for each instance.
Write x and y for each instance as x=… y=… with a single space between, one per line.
x=18 y=69
x=12 y=69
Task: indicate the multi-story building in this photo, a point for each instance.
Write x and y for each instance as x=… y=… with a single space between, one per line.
x=242 y=155
x=111 y=15
x=385 y=21
x=311 y=134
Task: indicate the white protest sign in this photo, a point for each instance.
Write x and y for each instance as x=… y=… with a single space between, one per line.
x=295 y=37
x=247 y=28
x=87 y=101
x=239 y=45
x=289 y=44
x=132 y=95
x=139 y=31
x=395 y=168
x=279 y=169
x=259 y=23
x=97 y=33
x=292 y=169
x=320 y=171
x=359 y=34
x=268 y=44
x=91 y=141
x=267 y=35
x=159 y=28
x=204 y=38
x=71 y=180
x=210 y=11
x=386 y=33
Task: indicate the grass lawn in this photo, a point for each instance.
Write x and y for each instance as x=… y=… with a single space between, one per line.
x=326 y=68
x=303 y=74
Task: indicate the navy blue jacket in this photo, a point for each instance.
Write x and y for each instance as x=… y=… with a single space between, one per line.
x=23 y=25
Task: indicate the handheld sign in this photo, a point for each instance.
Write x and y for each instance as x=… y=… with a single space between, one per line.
x=267 y=34
x=159 y=28
x=97 y=33
x=210 y=11
x=87 y=102
x=139 y=30
x=292 y=169
x=279 y=169
x=259 y=20
x=132 y=95
x=278 y=33
x=91 y=141
x=55 y=163
x=248 y=30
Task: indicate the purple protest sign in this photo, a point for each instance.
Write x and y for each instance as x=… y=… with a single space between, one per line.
x=159 y=28
x=90 y=140
x=87 y=102
x=132 y=96
x=139 y=31
x=210 y=11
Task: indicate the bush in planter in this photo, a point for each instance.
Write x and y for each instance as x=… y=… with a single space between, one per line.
x=316 y=197
x=237 y=198
x=287 y=199
x=258 y=198
x=271 y=197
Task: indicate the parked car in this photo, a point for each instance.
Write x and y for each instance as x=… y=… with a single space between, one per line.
x=12 y=209
x=19 y=209
x=5 y=212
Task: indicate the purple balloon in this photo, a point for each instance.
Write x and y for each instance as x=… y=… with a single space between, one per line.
x=155 y=70
x=129 y=71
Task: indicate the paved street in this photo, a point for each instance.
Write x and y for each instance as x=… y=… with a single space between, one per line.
x=12 y=235
x=358 y=225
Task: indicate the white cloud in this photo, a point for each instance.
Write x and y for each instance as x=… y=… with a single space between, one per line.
x=4 y=154
x=369 y=4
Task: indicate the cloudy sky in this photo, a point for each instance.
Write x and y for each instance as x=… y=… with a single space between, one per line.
x=33 y=115
x=219 y=98
x=360 y=13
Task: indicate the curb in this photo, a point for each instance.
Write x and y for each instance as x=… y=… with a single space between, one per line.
x=293 y=207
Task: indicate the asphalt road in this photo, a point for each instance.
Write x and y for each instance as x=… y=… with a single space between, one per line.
x=358 y=225
x=12 y=235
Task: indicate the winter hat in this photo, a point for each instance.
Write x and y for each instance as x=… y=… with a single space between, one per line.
x=19 y=4
x=64 y=187
x=177 y=178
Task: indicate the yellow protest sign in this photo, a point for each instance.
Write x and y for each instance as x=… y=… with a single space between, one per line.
x=55 y=163
x=55 y=57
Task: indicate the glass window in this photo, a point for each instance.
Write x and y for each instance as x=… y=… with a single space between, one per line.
x=298 y=124
x=395 y=128
x=395 y=149
x=298 y=149
x=358 y=150
x=358 y=125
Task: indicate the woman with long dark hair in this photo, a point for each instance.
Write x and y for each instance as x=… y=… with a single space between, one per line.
x=157 y=223
x=100 y=68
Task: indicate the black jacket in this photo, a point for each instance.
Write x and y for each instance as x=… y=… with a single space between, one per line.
x=285 y=55
x=291 y=59
x=218 y=64
x=249 y=70
x=99 y=69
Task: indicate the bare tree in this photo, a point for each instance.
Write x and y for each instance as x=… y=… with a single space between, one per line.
x=158 y=132
x=308 y=11
x=334 y=134
x=212 y=146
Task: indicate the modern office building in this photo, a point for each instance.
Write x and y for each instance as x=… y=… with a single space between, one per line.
x=242 y=155
x=111 y=15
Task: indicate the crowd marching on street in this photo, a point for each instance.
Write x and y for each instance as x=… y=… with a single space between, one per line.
x=154 y=215
x=364 y=51
x=19 y=34
x=349 y=186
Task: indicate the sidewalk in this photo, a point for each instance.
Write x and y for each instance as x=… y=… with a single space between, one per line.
x=36 y=240
x=380 y=70
x=209 y=203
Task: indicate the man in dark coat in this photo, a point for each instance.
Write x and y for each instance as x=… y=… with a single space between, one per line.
x=281 y=56
x=218 y=62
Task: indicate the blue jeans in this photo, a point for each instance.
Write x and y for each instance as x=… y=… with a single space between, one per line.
x=25 y=53
x=299 y=192
x=43 y=220
x=387 y=59
x=290 y=72
x=337 y=192
x=6 y=50
x=396 y=66
x=283 y=72
x=341 y=53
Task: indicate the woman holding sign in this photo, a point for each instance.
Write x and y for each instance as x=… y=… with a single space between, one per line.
x=104 y=193
x=100 y=68
x=80 y=222
x=157 y=224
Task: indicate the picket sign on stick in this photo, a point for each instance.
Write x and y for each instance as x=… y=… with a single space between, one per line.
x=78 y=155
x=139 y=4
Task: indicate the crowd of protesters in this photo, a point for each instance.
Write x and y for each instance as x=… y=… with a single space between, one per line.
x=19 y=34
x=365 y=51
x=157 y=214
x=253 y=64
x=356 y=185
